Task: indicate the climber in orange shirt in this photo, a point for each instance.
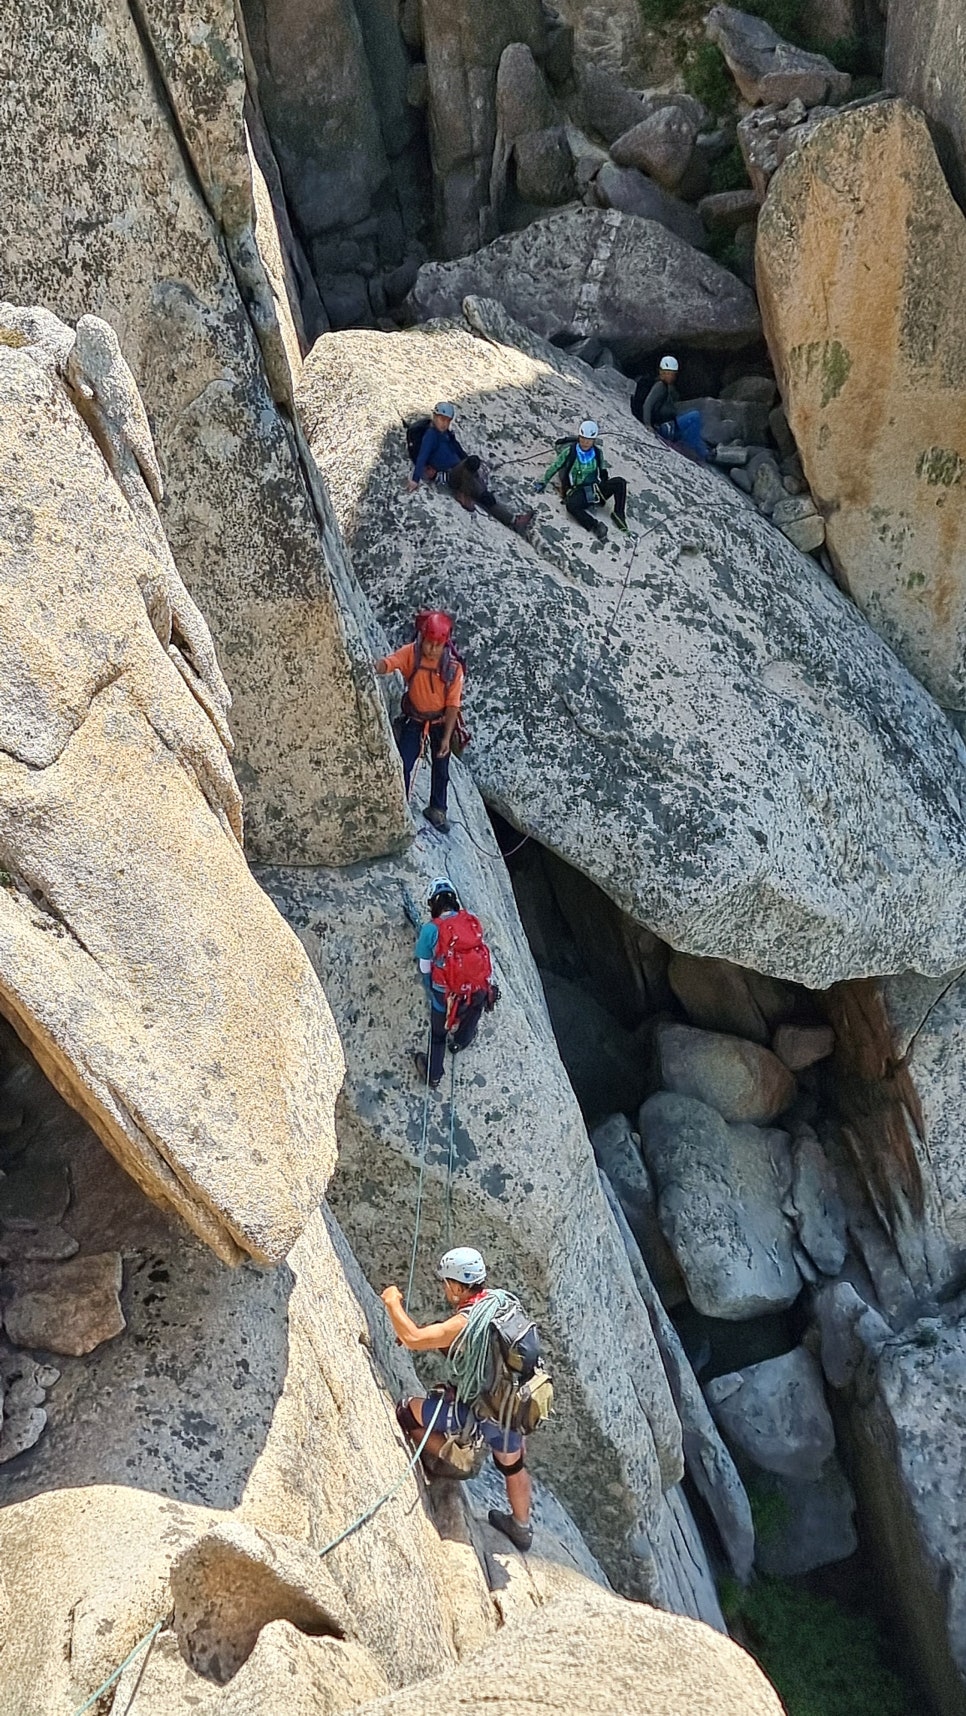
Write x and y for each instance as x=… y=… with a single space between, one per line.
x=433 y=673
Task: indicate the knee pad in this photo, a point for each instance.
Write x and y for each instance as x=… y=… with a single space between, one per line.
x=518 y=1465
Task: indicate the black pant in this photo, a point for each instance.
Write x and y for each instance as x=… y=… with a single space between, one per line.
x=409 y=738
x=464 y=481
x=579 y=501
x=466 y=1025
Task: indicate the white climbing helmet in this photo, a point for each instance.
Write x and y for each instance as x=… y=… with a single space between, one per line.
x=464 y=1265
x=442 y=885
x=669 y=363
x=588 y=429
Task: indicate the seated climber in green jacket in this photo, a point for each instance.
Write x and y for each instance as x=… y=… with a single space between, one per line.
x=584 y=480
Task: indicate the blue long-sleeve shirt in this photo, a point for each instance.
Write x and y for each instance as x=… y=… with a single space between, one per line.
x=439 y=449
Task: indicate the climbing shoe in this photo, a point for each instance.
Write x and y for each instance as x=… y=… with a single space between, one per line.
x=521 y=1536
x=522 y=522
x=437 y=818
x=422 y=1067
x=599 y=529
x=621 y=522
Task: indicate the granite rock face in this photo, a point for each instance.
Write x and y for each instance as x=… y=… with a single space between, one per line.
x=926 y=62
x=871 y=356
x=768 y=69
x=140 y=962
x=151 y=223
x=759 y=779
x=632 y=282
x=523 y=1179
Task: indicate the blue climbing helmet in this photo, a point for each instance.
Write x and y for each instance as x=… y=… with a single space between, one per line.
x=441 y=890
x=464 y=1265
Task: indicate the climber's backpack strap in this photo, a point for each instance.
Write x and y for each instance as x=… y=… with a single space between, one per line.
x=414 y=436
x=518 y=1391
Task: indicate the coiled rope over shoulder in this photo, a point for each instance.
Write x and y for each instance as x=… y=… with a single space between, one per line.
x=470 y=1353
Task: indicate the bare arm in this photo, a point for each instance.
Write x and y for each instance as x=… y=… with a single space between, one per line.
x=435 y=1337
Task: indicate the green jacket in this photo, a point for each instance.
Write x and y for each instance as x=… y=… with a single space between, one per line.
x=566 y=460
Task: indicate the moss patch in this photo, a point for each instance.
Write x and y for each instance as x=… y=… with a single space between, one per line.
x=940 y=466
x=823 y=1660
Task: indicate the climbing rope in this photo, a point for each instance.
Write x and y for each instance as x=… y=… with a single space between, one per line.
x=451 y=1158
x=469 y=1355
x=148 y=1640
x=370 y=1512
x=422 y=1167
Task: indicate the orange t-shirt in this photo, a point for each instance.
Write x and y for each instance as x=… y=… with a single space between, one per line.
x=426 y=689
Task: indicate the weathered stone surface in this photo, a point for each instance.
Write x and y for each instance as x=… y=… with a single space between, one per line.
x=607 y=1065
x=767 y=136
x=605 y=105
x=287 y=1670
x=36 y=1245
x=544 y=166
x=65 y=1307
x=524 y=1178
x=632 y=281
x=626 y=189
x=719 y=1196
x=661 y=145
x=724 y=997
x=742 y=1080
x=816 y=1205
x=925 y=60
x=588 y=1651
x=774 y=1413
x=936 y=1129
x=800 y=1046
x=756 y=838
x=768 y=69
x=728 y=210
x=872 y=362
x=152 y=224
x=140 y=962
x=617 y=1148
x=811 y=1522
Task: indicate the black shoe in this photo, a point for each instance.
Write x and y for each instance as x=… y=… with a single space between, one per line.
x=521 y=1536
x=599 y=529
x=437 y=818
x=422 y=1067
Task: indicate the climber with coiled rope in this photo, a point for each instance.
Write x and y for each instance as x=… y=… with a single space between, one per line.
x=498 y=1392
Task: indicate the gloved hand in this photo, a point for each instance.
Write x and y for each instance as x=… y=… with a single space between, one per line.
x=538 y=488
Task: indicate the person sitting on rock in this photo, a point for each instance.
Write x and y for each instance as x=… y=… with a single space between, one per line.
x=584 y=480
x=455 y=965
x=463 y=1274
x=441 y=459
x=433 y=673
x=657 y=408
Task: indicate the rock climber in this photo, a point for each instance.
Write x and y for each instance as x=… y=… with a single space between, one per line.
x=463 y=1274
x=433 y=673
x=441 y=459
x=584 y=480
x=456 y=968
x=657 y=408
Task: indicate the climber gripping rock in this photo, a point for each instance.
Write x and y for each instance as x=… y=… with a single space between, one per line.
x=456 y=968
x=499 y=1390
x=657 y=408
x=433 y=673
x=584 y=480
x=438 y=457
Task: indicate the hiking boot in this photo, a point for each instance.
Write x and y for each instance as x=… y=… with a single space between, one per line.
x=523 y=521
x=599 y=529
x=621 y=522
x=422 y=1067
x=521 y=1536
x=437 y=818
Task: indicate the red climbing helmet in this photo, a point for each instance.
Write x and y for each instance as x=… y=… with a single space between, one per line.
x=434 y=626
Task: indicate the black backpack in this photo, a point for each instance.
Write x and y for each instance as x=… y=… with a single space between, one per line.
x=414 y=436
x=518 y=1391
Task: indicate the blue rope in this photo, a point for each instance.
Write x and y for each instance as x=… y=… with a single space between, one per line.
x=148 y=1639
x=422 y=1168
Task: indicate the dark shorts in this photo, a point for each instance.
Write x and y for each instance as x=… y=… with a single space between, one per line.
x=453 y=1417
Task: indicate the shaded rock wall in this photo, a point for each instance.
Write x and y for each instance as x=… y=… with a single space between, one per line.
x=140 y=210
x=926 y=62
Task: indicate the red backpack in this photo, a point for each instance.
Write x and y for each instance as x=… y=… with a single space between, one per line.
x=461 y=964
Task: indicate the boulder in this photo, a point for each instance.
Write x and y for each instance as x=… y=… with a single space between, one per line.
x=741 y=1080
x=141 y=962
x=629 y=191
x=726 y=211
x=519 y=1172
x=165 y=221
x=617 y=1149
x=816 y=1205
x=767 y=136
x=723 y=997
x=720 y=1191
x=523 y=101
x=871 y=358
x=661 y=145
x=925 y=62
x=606 y=106
x=768 y=69
x=544 y=166
x=590 y=1652
x=774 y=1414
x=800 y=1046
x=751 y=838
x=803 y=1524
x=632 y=281
x=65 y=1307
